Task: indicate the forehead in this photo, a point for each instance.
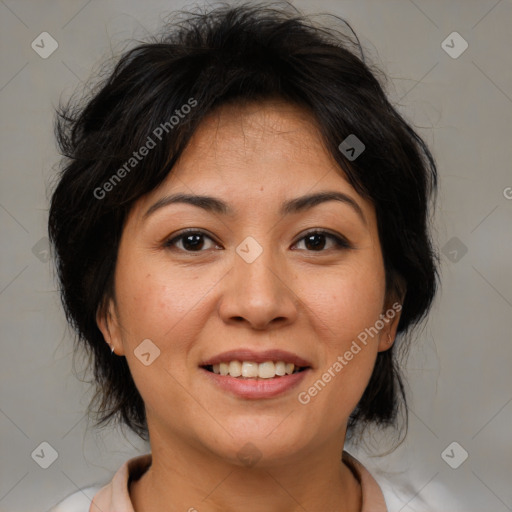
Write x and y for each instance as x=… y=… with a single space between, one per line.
x=254 y=153
x=273 y=133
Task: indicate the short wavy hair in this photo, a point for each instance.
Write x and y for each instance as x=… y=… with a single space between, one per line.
x=226 y=54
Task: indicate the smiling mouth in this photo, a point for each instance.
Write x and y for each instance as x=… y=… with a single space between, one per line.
x=254 y=371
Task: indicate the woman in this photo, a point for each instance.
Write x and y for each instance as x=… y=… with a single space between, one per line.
x=241 y=236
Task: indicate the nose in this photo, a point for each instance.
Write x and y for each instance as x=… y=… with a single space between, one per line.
x=259 y=294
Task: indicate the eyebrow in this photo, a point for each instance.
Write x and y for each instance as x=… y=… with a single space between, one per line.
x=291 y=206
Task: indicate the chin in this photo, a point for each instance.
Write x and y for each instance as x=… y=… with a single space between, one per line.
x=260 y=447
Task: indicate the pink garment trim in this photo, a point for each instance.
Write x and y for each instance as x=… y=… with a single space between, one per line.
x=114 y=497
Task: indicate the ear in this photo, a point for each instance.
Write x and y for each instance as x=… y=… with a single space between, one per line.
x=108 y=323
x=391 y=317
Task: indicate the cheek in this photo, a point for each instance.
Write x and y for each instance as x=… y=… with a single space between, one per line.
x=339 y=394
x=346 y=368
x=168 y=306
x=164 y=310
x=154 y=300
x=345 y=301
x=347 y=304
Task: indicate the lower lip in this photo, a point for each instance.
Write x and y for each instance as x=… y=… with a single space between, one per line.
x=256 y=388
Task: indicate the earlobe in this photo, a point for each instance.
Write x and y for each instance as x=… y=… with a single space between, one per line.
x=388 y=334
x=393 y=310
x=387 y=339
x=106 y=319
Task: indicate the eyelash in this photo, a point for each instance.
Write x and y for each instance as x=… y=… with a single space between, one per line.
x=341 y=243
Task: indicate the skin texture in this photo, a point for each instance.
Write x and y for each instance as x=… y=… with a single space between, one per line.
x=196 y=304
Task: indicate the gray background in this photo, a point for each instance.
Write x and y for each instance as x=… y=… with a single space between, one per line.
x=459 y=370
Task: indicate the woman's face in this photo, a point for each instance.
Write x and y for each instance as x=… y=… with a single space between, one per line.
x=251 y=278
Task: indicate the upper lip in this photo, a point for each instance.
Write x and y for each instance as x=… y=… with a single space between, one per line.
x=256 y=357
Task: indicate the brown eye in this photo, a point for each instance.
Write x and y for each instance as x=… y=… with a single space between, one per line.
x=318 y=240
x=191 y=241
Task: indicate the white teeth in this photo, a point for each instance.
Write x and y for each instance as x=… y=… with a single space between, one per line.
x=252 y=370
x=235 y=368
x=249 y=369
x=280 y=368
x=266 y=370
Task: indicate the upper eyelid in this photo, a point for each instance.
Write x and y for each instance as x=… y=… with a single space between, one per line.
x=322 y=231
x=188 y=231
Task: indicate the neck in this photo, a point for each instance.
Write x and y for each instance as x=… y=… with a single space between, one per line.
x=184 y=479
